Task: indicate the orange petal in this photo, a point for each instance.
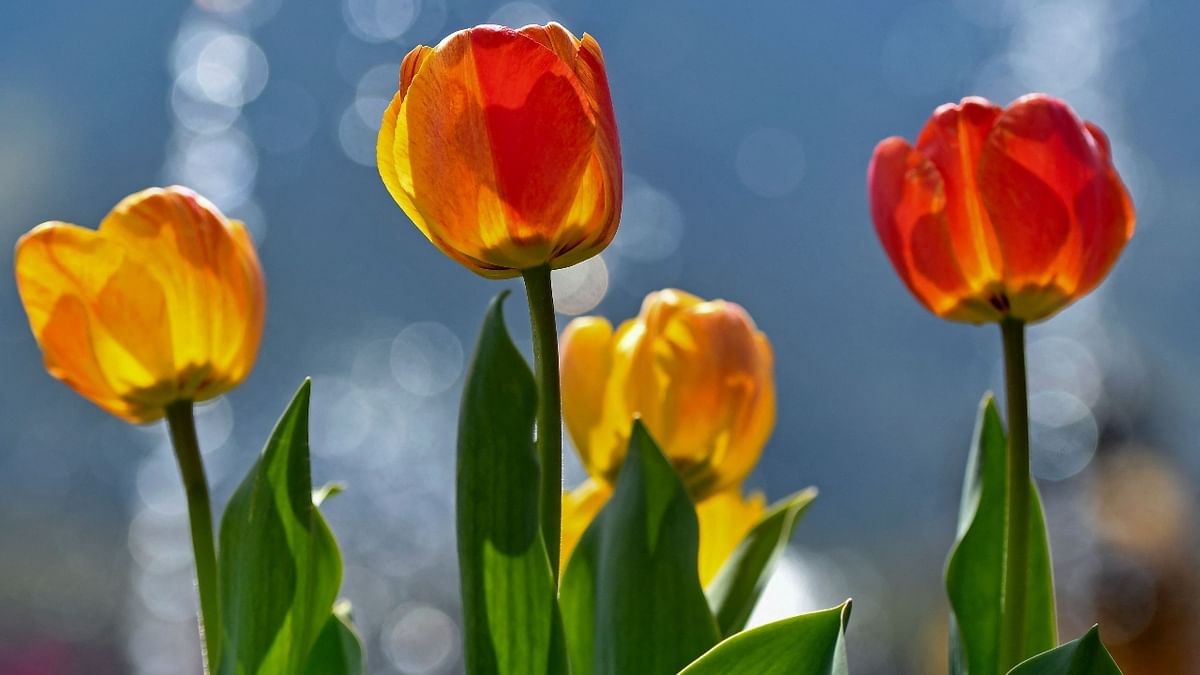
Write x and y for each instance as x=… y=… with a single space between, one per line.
x=952 y=140
x=597 y=208
x=709 y=358
x=556 y=38
x=99 y=316
x=412 y=65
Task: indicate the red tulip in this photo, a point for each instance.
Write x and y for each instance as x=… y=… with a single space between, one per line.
x=1000 y=213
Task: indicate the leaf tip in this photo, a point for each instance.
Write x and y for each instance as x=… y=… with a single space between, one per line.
x=304 y=393
x=847 y=606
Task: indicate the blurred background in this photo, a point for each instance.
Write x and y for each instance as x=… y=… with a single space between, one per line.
x=746 y=130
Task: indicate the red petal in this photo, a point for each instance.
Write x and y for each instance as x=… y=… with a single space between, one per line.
x=953 y=139
x=908 y=206
x=1036 y=162
x=540 y=127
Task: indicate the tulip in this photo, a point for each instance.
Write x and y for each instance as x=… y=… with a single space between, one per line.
x=164 y=303
x=725 y=518
x=1000 y=213
x=501 y=146
x=1006 y=216
x=698 y=373
x=160 y=307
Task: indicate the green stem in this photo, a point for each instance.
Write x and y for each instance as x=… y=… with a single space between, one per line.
x=549 y=411
x=191 y=468
x=1019 y=480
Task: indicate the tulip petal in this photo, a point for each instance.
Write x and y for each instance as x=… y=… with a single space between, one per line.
x=725 y=518
x=1036 y=165
x=579 y=508
x=411 y=66
x=908 y=205
x=209 y=274
x=710 y=355
x=597 y=208
x=99 y=316
x=952 y=140
x=586 y=352
x=639 y=386
x=1106 y=211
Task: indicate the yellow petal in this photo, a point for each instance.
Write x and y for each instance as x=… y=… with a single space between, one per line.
x=210 y=276
x=725 y=518
x=579 y=507
x=585 y=357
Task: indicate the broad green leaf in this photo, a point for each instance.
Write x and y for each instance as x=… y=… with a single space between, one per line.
x=809 y=644
x=511 y=620
x=1085 y=656
x=631 y=595
x=338 y=650
x=737 y=587
x=975 y=569
x=279 y=565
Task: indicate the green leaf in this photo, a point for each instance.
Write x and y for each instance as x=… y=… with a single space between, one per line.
x=737 y=587
x=338 y=649
x=975 y=569
x=511 y=620
x=279 y=565
x=809 y=644
x=1085 y=656
x=631 y=595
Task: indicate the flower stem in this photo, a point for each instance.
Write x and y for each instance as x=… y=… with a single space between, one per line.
x=549 y=411
x=187 y=451
x=1019 y=480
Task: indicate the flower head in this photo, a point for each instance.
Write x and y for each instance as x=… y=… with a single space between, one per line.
x=1000 y=213
x=501 y=146
x=697 y=372
x=163 y=303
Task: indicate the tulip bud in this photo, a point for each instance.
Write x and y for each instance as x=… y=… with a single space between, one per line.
x=1000 y=213
x=163 y=303
x=698 y=373
x=501 y=146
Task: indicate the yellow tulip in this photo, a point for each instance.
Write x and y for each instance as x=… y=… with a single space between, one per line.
x=163 y=303
x=725 y=518
x=698 y=373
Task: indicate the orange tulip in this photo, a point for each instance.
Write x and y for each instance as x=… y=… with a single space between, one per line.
x=163 y=303
x=1000 y=213
x=698 y=373
x=501 y=146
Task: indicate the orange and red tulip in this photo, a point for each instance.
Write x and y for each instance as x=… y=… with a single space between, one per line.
x=163 y=303
x=501 y=146
x=1000 y=213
